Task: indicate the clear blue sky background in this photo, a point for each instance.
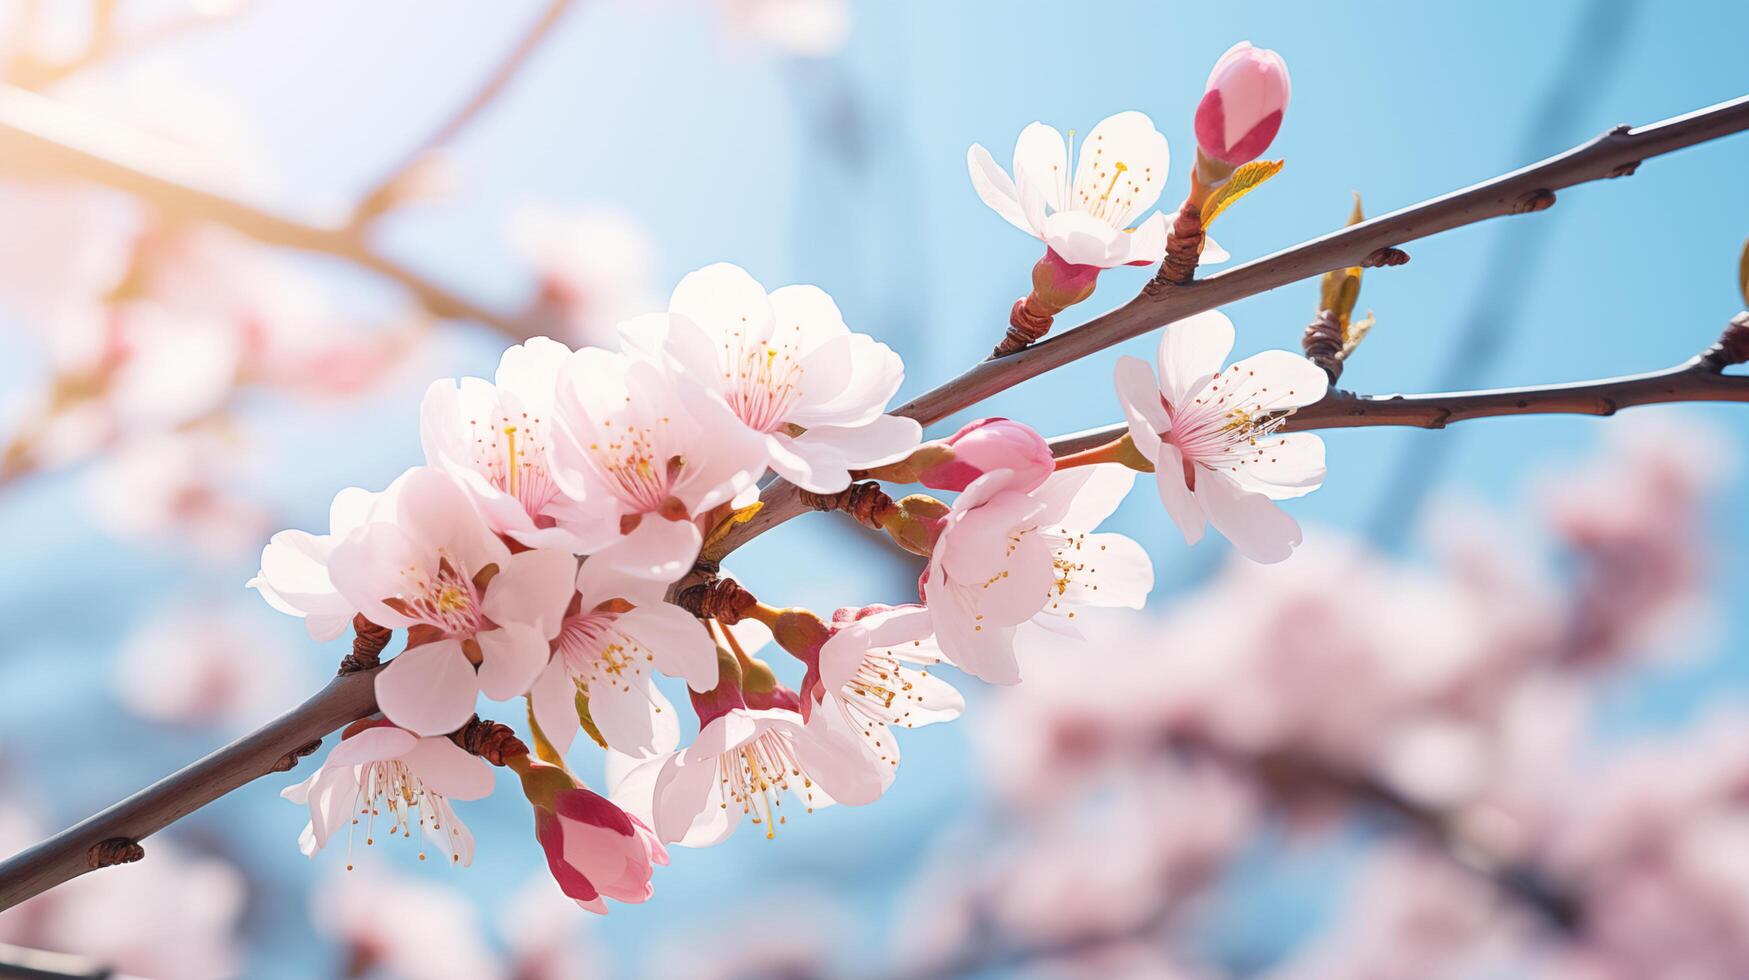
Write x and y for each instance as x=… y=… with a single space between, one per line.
x=728 y=152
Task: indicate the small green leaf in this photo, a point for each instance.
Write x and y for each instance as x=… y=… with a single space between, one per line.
x=729 y=523
x=1244 y=180
x=586 y=721
x=1743 y=273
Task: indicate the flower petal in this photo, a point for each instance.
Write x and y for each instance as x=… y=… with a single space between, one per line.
x=1259 y=530
x=449 y=770
x=430 y=689
x=532 y=588
x=513 y=655
x=1191 y=352
x=995 y=188
x=1184 y=507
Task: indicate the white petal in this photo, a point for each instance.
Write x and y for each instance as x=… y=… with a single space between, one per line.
x=1041 y=170
x=1259 y=530
x=1284 y=466
x=1184 y=507
x=1123 y=167
x=1192 y=351
x=995 y=188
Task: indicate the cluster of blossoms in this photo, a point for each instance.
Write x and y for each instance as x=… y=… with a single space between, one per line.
x=562 y=506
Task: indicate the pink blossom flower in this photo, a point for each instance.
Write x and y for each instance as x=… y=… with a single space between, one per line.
x=741 y=764
x=294 y=576
x=788 y=368
x=993 y=444
x=426 y=562
x=496 y=438
x=1210 y=434
x=872 y=672
x=645 y=458
x=619 y=630
x=1242 y=106
x=594 y=849
x=378 y=767
x=1086 y=222
x=1007 y=557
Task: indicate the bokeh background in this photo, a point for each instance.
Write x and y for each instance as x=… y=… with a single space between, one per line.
x=1489 y=723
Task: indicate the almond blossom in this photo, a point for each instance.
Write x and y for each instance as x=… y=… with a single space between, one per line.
x=378 y=767
x=1211 y=434
x=294 y=576
x=1083 y=212
x=617 y=632
x=788 y=368
x=495 y=439
x=1005 y=557
x=645 y=458
x=873 y=672
x=427 y=563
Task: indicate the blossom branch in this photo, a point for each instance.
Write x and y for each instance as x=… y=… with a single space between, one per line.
x=382 y=195
x=275 y=747
x=1616 y=153
x=42 y=138
x=1700 y=379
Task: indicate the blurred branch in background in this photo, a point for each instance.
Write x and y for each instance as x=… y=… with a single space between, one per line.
x=1599 y=40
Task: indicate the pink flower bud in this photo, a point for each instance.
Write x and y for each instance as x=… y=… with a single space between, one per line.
x=1242 y=108
x=993 y=444
x=1060 y=284
x=594 y=849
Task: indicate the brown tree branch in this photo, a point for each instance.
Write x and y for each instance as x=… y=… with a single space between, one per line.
x=1616 y=153
x=381 y=195
x=274 y=747
x=43 y=138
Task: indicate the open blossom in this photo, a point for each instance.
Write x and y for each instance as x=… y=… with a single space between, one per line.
x=1211 y=434
x=378 y=767
x=645 y=458
x=1086 y=221
x=594 y=849
x=495 y=439
x=741 y=764
x=788 y=368
x=1006 y=557
x=873 y=672
x=425 y=562
x=616 y=633
x=1242 y=106
x=992 y=444
x=294 y=576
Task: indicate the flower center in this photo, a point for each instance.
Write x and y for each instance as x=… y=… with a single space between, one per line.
x=389 y=785
x=511 y=455
x=638 y=471
x=757 y=773
x=449 y=602
x=1225 y=425
x=596 y=653
x=765 y=382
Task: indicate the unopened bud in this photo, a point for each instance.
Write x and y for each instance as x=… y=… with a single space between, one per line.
x=992 y=444
x=1059 y=284
x=1242 y=107
x=916 y=522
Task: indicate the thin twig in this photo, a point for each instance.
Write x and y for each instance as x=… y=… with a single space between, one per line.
x=381 y=195
x=67 y=855
x=43 y=138
x=1614 y=154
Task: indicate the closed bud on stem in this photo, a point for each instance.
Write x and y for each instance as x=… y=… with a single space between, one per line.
x=916 y=522
x=1241 y=108
x=1056 y=285
x=726 y=696
x=991 y=444
x=594 y=849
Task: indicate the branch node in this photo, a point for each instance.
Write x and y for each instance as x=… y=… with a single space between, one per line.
x=1625 y=169
x=1386 y=256
x=290 y=759
x=1732 y=346
x=1323 y=343
x=865 y=501
x=721 y=599
x=368 y=641
x=1540 y=199
x=115 y=850
x=1183 y=248
x=489 y=740
x=1028 y=321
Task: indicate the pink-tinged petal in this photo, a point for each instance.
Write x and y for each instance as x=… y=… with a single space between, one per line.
x=377 y=562
x=374 y=744
x=1284 y=467
x=1184 y=507
x=548 y=829
x=816 y=468
x=294 y=575
x=1082 y=497
x=1258 y=529
x=830 y=752
x=1081 y=239
x=724 y=456
x=1139 y=394
x=1146 y=243
x=631 y=781
x=807 y=319
x=626 y=714
x=683 y=347
x=875 y=372
x=599 y=581
x=677 y=640
x=1192 y=351
x=1273 y=380
x=332 y=794
x=532 y=588
x=976 y=547
x=986 y=652
x=1129 y=139
x=995 y=188
x=687 y=802
x=1110 y=570
x=595 y=810
x=1022 y=588
x=450 y=771
x=553 y=699
x=900 y=624
x=887 y=439
x=657 y=550
x=434 y=511
x=430 y=689
x=451 y=837
x=513 y=655
x=1041 y=172
x=725 y=301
